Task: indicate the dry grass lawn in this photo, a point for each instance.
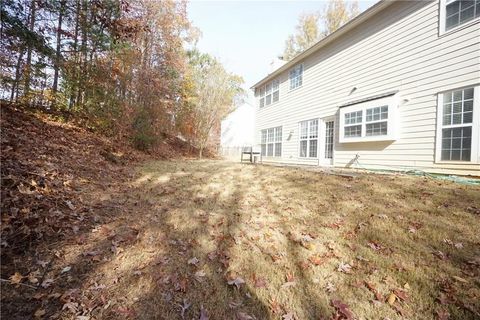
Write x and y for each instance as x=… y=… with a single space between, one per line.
x=220 y=240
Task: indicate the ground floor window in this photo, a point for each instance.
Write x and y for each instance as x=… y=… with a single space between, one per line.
x=271 y=142
x=458 y=131
x=329 y=127
x=309 y=138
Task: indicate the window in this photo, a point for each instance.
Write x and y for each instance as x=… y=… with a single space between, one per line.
x=269 y=93
x=458 y=128
x=377 y=121
x=458 y=12
x=263 y=143
x=262 y=96
x=370 y=119
x=309 y=138
x=276 y=90
x=271 y=142
x=296 y=76
x=351 y=128
x=329 y=127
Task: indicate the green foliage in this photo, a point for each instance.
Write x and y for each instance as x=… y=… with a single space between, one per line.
x=143 y=137
x=15 y=30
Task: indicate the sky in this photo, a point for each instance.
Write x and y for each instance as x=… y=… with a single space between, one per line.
x=247 y=35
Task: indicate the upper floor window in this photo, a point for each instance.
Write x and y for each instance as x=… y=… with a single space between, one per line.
x=458 y=127
x=458 y=12
x=296 y=76
x=269 y=93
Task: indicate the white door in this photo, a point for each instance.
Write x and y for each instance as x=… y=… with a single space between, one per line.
x=328 y=141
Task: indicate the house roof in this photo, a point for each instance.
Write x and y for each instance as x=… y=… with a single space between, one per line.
x=367 y=14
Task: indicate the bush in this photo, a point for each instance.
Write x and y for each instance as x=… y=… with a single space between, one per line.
x=143 y=137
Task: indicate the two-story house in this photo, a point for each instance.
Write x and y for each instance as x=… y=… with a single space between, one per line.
x=396 y=88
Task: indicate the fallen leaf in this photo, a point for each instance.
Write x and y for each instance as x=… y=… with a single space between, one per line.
x=344 y=267
x=184 y=308
x=372 y=288
x=288 y=316
x=330 y=287
x=391 y=299
x=66 y=269
x=402 y=295
x=342 y=310
x=16 y=278
x=360 y=258
x=126 y=311
x=72 y=306
x=199 y=275
x=70 y=205
x=40 y=313
x=274 y=306
x=193 y=261
x=440 y=255
x=237 y=282
x=260 y=282
x=203 y=314
x=316 y=260
x=32 y=277
x=46 y=283
x=290 y=277
x=243 y=316
x=288 y=284
x=459 y=279
x=442 y=314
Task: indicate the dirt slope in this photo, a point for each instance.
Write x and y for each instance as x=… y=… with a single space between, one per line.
x=49 y=171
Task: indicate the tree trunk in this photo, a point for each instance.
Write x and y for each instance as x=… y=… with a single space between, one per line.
x=17 y=75
x=28 y=65
x=75 y=52
x=56 y=67
x=83 y=49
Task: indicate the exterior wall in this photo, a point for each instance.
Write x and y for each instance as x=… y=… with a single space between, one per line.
x=400 y=48
x=238 y=131
x=237 y=128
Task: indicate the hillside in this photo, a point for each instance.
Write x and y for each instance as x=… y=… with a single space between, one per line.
x=48 y=170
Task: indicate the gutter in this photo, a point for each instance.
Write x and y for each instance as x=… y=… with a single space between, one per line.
x=367 y=14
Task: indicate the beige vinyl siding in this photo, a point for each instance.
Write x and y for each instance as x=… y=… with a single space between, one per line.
x=400 y=48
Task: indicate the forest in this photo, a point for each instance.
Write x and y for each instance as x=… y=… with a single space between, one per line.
x=127 y=69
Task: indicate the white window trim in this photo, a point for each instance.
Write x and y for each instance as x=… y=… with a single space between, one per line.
x=274 y=143
x=392 y=120
x=303 y=72
x=264 y=95
x=442 y=16
x=308 y=138
x=475 y=149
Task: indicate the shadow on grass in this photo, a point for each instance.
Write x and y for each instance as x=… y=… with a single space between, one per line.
x=175 y=235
